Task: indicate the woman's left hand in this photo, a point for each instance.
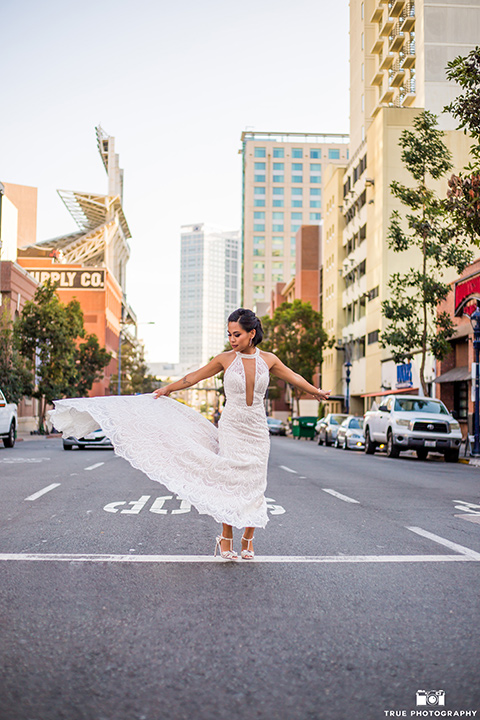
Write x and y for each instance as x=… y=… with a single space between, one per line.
x=322 y=394
x=159 y=392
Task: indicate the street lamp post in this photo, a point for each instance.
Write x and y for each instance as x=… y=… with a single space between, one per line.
x=348 y=365
x=475 y=320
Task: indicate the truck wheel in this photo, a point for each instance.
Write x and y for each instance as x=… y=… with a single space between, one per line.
x=393 y=451
x=452 y=455
x=422 y=453
x=369 y=444
x=9 y=441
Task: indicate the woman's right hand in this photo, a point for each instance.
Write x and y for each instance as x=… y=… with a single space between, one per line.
x=322 y=394
x=163 y=391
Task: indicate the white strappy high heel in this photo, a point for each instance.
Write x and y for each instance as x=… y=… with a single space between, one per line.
x=225 y=554
x=248 y=554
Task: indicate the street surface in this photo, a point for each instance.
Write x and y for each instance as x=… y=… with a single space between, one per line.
x=364 y=590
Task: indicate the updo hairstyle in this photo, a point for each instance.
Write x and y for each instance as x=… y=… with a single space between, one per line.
x=249 y=321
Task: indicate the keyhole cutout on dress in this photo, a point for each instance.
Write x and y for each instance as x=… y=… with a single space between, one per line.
x=249 y=369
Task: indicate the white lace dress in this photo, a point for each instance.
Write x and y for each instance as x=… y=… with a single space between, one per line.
x=221 y=472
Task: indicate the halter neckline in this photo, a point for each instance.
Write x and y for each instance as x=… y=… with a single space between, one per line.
x=248 y=355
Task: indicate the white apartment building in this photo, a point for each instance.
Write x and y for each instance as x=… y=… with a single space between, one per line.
x=209 y=290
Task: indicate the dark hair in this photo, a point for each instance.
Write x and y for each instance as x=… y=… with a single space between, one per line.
x=249 y=321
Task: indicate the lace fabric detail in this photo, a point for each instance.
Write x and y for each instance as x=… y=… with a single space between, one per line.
x=221 y=472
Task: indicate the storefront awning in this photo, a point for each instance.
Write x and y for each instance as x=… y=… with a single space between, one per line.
x=381 y=393
x=458 y=374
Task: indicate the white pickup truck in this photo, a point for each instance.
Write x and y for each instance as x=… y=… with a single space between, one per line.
x=410 y=422
x=8 y=422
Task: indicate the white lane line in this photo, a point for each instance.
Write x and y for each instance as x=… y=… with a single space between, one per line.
x=284 y=467
x=58 y=557
x=467 y=552
x=93 y=467
x=42 y=492
x=340 y=496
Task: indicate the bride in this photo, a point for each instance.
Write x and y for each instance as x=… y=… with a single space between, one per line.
x=222 y=472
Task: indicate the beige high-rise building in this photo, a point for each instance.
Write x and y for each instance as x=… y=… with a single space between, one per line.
x=398 y=54
x=283 y=181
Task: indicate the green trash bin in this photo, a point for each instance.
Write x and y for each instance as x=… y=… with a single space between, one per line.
x=304 y=427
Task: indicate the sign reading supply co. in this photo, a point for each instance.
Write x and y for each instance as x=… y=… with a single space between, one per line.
x=72 y=279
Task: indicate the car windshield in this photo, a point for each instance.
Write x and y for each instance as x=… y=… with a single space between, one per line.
x=274 y=421
x=336 y=419
x=356 y=423
x=423 y=405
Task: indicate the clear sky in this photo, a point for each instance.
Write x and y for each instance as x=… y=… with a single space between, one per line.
x=175 y=83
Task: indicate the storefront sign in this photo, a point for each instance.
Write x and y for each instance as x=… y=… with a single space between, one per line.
x=71 y=279
x=466 y=290
x=404 y=375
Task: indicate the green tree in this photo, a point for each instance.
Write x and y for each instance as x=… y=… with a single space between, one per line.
x=135 y=377
x=414 y=323
x=463 y=195
x=296 y=335
x=47 y=333
x=15 y=377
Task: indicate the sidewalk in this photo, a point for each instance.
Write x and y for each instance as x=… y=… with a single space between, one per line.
x=25 y=436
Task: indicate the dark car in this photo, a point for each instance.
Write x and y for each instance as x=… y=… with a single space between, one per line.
x=276 y=426
x=97 y=438
x=327 y=427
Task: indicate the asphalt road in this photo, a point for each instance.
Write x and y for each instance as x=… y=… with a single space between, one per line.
x=348 y=610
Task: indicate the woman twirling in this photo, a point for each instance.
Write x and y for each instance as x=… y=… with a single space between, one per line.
x=221 y=472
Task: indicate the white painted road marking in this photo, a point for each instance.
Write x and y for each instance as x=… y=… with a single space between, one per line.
x=58 y=557
x=93 y=467
x=470 y=554
x=340 y=496
x=284 y=467
x=42 y=492
x=19 y=461
x=158 y=506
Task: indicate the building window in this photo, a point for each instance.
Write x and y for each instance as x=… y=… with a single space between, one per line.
x=279 y=166
x=277 y=216
x=315 y=203
x=333 y=154
x=293 y=246
x=277 y=227
x=297 y=152
x=278 y=152
x=260 y=166
x=362 y=10
x=278 y=178
x=297 y=167
x=259 y=215
x=259 y=152
x=277 y=247
x=363 y=133
x=259 y=178
x=296 y=216
x=460 y=400
x=315 y=167
x=297 y=178
x=297 y=191
x=259 y=191
x=315 y=153
x=259 y=202
x=277 y=271
x=278 y=203
x=295 y=228
x=373 y=337
x=297 y=203
x=315 y=216
x=363 y=72
x=315 y=191
x=259 y=246
x=316 y=179
x=363 y=103
x=259 y=292
x=278 y=191
x=258 y=227
x=374 y=293
x=362 y=41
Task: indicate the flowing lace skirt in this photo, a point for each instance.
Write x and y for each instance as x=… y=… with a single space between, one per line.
x=222 y=472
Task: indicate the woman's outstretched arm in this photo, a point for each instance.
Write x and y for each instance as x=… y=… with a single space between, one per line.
x=212 y=368
x=284 y=373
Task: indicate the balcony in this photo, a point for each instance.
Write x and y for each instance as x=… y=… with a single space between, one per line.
x=377 y=14
x=377 y=78
x=396 y=75
x=396 y=38
x=407 y=56
x=386 y=97
x=407 y=18
x=377 y=47
x=387 y=61
x=407 y=93
x=387 y=26
x=395 y=7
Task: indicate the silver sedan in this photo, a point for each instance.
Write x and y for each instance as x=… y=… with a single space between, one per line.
x=350 y=434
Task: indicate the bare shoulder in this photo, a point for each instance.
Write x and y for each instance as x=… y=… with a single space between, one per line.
x=226 y=358
x=269 y=357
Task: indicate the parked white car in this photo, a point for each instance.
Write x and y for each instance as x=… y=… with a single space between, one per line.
x=8 y=422
x=410 y=422
x=350 y=434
